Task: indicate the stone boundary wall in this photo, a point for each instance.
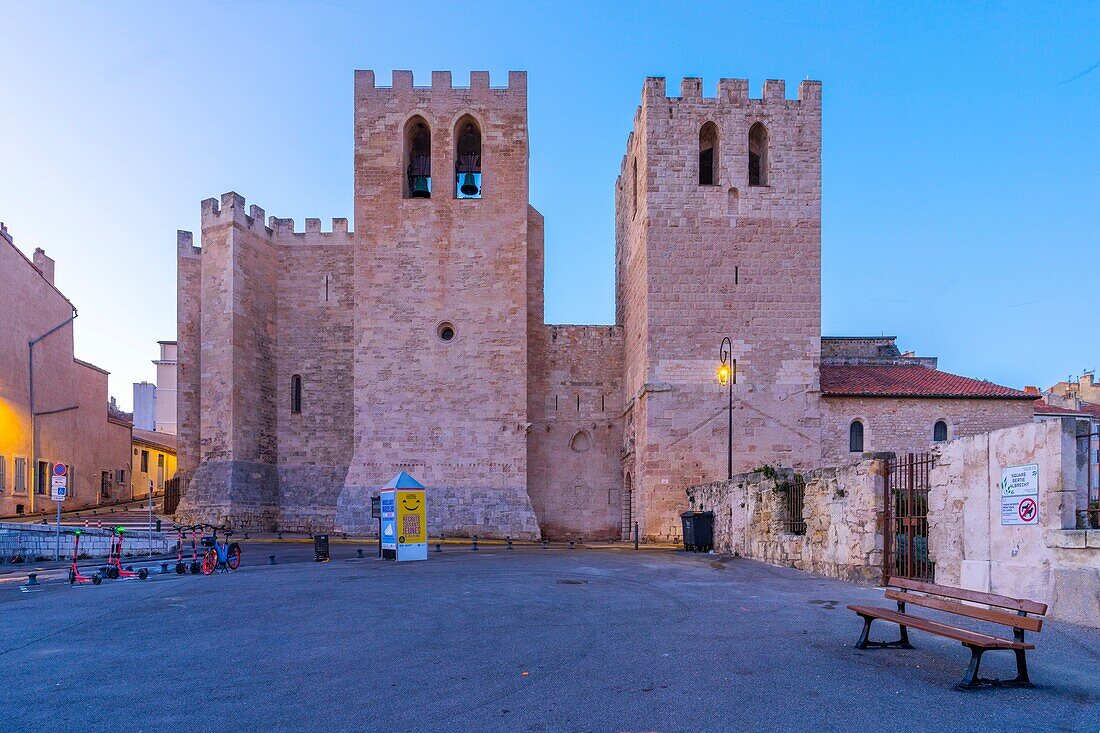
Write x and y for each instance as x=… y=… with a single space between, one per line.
x=34 y=541
x=1053 y=562
x=842 y=508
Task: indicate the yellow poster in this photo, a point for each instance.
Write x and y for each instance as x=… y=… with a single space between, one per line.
x=412 y=518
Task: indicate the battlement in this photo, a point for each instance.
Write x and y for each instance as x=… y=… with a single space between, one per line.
x=231 y=208
x=402 y=83
x=733 y=91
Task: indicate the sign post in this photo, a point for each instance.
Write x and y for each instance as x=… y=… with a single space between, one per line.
x=59 y=491
x=376 y=513
x=1020 y=495
x=150 y=517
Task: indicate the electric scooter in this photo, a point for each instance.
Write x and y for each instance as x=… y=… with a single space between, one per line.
x=195 y=566
x=74 y=571
x=114 y=561
x=181 y=569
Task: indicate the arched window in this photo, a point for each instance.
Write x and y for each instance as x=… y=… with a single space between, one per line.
x=939 y=431
x=855 y=437
x=418 y=159
x=758 y=155
x=296 y=394
x=467 y=159
x=708 y=154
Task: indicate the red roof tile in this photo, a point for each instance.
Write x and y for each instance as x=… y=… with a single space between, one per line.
x=1043 y=408
x=872 y=380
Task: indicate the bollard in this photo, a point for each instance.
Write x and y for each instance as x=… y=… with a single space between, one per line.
x=475 y=543
x=570 y=544
x=359 y=552
x=545 y=544
x=32 y=578
x=439 y=547
x=635 y=535
x=270 y=559
x=164 y=568
x=280 y=535
x=246 y=535
x=509 y=538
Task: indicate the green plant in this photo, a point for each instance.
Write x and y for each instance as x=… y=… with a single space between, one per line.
x=767 y=470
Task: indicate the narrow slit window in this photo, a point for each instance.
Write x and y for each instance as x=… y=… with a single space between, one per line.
x=708 y=154
x=758 y=155
x=296 y=394
x=468 y=175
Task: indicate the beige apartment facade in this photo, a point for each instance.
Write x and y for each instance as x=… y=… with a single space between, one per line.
x=53 y=406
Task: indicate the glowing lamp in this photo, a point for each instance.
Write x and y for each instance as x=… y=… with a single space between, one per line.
x=724 y=374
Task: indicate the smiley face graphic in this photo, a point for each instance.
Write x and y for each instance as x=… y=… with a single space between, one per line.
x=410 y=502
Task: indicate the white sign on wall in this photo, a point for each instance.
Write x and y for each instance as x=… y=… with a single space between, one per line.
x=1020 y=494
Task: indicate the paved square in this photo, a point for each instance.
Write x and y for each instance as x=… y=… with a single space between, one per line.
x=498 y=640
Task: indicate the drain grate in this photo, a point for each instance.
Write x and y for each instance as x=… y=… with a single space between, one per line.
x=571 y=581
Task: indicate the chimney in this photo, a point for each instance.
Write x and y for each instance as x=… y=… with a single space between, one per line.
x=44 y=264
x=1031 y=390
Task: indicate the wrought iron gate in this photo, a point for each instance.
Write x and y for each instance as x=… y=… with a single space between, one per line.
x=171 y=495
x=905 y=541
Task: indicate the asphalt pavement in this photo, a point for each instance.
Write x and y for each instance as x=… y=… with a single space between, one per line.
x=526 y=640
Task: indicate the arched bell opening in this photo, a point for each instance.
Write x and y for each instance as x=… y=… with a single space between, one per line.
x=418 y=159
x=468 y=180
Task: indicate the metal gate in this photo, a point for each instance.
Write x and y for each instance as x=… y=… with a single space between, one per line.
x=171 y=495
x=1088 y=444
x=905 y=541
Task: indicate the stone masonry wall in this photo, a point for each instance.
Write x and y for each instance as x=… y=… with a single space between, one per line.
x=905 y=425
x=574 y=468
x=842 y=508
x=1052 y=562
x=721 y=260
x=451 y=413
x=315 y=324
x=33 y=541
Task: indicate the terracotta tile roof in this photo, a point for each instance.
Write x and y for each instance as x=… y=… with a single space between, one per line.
x=872 y=380
x=1042 y=408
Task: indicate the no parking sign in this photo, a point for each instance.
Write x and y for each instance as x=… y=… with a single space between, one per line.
x=59 y=482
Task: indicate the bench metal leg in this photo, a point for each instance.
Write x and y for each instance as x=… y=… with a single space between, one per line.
x=1021 y=670
x=972 y=681
x=865 y=643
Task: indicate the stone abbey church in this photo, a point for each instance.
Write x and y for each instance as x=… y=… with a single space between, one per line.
x=315 y=365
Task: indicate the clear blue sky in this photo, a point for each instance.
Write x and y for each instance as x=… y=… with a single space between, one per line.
x=961 y=152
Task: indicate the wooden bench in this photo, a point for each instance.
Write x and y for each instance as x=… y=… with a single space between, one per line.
x=950 y=600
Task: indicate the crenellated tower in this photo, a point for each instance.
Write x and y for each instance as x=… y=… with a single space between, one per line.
x=440 y=300
x=718 y=233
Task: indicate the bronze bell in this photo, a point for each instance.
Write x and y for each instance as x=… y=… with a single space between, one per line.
x=418 y=188
x=469 y=185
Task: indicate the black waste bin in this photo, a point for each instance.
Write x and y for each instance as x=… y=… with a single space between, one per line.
x=320 y=548
x=698 y=531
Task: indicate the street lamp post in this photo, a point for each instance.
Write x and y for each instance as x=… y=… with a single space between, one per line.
x=727 y=375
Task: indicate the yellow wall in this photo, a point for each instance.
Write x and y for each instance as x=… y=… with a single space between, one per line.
x=142 y=478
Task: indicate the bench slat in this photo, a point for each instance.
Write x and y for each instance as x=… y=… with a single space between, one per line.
x=934 y=627
x=962 y=594
x=1027 y=623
